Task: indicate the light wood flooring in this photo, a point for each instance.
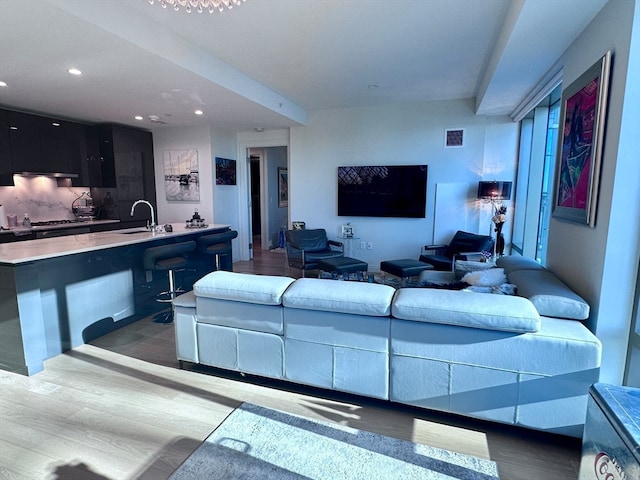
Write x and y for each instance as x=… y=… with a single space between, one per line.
x=120 y=408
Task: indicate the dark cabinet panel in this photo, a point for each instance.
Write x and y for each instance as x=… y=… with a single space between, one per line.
x=6 y=167
x=62 y=145
x=24 y=141
x=45 y=144
x=99 y=157
x=125 y=172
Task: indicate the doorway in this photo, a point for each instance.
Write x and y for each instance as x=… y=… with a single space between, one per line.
x=266 y=215
x=255 y=201
x=273 y=146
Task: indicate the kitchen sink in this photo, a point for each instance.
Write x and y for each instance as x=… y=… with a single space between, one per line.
x=131 y=232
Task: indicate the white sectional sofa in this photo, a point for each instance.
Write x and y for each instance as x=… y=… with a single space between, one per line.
x=522 y=360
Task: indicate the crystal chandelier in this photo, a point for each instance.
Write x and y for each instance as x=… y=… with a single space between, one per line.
x=198 y=5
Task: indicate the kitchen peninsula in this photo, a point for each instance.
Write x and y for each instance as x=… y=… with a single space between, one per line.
x=58 y=293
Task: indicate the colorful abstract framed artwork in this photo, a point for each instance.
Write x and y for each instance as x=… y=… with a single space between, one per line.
x=582 y=117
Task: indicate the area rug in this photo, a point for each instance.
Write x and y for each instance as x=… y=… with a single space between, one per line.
x=256 y=442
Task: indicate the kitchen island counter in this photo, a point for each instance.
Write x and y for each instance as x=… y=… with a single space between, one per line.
x=61 y=292
x=30 y=250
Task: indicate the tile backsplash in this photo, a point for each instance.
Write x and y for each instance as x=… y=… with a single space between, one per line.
x=40 y=198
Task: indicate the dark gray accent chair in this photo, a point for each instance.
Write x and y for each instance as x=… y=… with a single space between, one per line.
x=463 y=246
x=305 y=248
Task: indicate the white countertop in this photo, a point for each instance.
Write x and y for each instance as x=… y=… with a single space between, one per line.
x=15 y=253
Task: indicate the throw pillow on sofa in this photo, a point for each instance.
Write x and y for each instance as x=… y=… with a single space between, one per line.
x=493 y=280
x=462 y=267
x=492 y=277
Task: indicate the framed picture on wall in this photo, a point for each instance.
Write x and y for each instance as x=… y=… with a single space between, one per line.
x=181 y=175
x=225 y=171
x=283 y=187
x=582 y=118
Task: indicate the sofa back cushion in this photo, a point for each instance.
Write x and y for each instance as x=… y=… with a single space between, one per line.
x=466 y=309
x=511 y=263
x=242 y=287
x=308 y=240
x=336 y=296
x=550 y=296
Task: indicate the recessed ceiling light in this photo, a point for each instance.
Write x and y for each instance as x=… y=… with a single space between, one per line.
x=55 y=124
x=198 y=112
x=74 y=71
x=138 y=117
x=3 y=84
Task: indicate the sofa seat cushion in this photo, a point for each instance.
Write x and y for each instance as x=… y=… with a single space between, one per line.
x=336 y=296
x=242 y=287
x=550 y=296
x=466 y=309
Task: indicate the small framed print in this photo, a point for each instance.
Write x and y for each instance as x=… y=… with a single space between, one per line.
x=298 y=225
x=347 y=230
x=283 y=187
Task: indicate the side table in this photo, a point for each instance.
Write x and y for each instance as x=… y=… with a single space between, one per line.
x=611 y=440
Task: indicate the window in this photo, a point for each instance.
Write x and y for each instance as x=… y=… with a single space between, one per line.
x=534 y=193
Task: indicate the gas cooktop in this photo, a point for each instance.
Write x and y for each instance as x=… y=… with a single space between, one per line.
x=54 y=222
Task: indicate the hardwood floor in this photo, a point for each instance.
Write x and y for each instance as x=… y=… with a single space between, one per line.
x=120 y=408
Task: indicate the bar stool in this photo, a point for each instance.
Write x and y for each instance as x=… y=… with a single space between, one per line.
x=167 y=258
x=217 y=244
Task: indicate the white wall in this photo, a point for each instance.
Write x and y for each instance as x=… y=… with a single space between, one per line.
x=225 y=197
x=601 y=263
x=218 y=203
x=199 y=138
x=400 y=134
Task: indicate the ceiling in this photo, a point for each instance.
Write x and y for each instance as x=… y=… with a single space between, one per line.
x=269 y=63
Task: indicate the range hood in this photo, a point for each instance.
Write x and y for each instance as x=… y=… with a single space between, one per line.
x=47 y=174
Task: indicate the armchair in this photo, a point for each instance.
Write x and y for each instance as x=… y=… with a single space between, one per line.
x=463 y=246
x=305 y=248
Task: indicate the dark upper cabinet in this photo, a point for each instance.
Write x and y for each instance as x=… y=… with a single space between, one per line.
x=99 y=157
x=125 y=169
x=62 y=145
x=6 y=168
x=24 y=141
x=46 y=145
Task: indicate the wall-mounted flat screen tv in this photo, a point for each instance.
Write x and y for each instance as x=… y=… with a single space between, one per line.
x=382 y=191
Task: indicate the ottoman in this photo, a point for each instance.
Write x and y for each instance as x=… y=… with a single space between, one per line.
x=404 y=268
x=342 y=266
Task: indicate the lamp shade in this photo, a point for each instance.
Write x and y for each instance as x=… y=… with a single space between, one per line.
x=494 y=190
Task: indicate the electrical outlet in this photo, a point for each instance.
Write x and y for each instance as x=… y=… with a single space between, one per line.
x=369 y=246
x=363 y=245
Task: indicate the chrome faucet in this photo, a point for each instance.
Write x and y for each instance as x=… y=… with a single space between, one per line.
x=151 y=226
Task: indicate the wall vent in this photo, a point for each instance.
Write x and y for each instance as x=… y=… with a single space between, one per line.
x=454 y=138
